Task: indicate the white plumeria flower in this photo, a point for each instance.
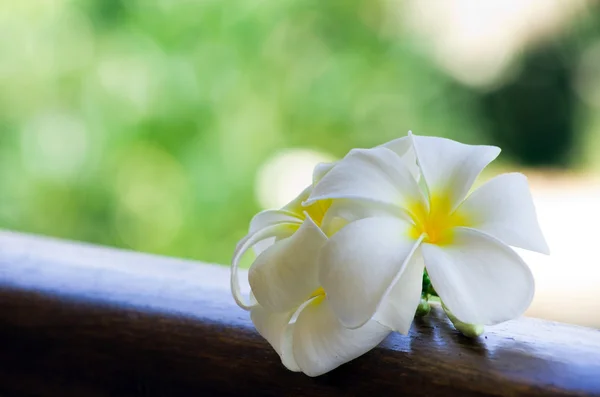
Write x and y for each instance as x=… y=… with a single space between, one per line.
x=287 y=304
x=287 y=243
x=372 y=268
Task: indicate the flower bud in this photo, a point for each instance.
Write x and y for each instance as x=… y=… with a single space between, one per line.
x=468 y=330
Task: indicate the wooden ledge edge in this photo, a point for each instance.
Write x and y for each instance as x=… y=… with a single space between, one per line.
x=78 y=320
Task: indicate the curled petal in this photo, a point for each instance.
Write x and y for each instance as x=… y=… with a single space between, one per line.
x=504 y=209
x=360 y=263
x=376 y=175
x=269 y=218
x=449 y=167
x=321 y=343
x=275 y=328
x=281 y=231
x=272 y=217
x=397 y=310
x=284 y=275
x=480 y=279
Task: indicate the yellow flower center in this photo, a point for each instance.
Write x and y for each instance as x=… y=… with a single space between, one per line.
x=318 y=295
x=317 y=210
x=438 y=223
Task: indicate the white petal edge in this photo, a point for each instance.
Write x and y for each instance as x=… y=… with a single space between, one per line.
x=269 y=218
x=377 y=175
x=321 y=343
x=282 y=230
x=449 y=167
x=277 y=330
x=321 y=170
x=397 y=310
x=403 y=148
x=295 y=206
x=359 y=265
x=479 y=278
x=284 y=275
x=503 y=208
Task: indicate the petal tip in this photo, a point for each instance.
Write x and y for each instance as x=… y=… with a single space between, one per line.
x=545 y=249
x=403 y=331
x=309 y=201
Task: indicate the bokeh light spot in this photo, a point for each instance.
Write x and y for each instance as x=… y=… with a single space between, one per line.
x=55 y=145
x=283 y=176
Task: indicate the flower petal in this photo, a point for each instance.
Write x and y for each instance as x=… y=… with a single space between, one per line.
x=272 y=217
x=275 y=328
x=504 y=209
x=269 y=218
x=480 y=279
x=397 y=310
x=285 y=274
x=295 y=206
x=281 y=230
x=344 y=211
x=321 y=170
x=321 y=343
x=403 y=148
x=376 y=175
x=360 y=263
x=449 y=167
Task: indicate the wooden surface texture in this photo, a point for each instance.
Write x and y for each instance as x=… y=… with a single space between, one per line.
x=78 y=321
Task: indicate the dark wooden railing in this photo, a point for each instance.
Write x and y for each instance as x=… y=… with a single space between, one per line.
x=78 y=321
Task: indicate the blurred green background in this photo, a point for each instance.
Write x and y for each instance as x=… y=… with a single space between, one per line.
x=163 y=126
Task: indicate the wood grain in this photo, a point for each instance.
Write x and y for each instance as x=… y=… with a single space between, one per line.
x=85 y=321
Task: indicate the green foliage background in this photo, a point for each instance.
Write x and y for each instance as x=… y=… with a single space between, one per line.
x=142 y=124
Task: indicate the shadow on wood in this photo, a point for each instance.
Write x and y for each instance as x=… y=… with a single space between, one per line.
x=77 y=320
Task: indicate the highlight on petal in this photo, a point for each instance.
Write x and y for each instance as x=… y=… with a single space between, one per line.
x=282 y=230
x=285 y=274
x=321 y=343
x=275 y=328
x=397 y=310
x=479 y=278
x=360 y=263
x=449 y=167
x=269 y=218
x=503 y=208
x=376 y=175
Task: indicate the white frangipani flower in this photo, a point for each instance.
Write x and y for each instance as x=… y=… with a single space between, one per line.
x=287 y=304
x=372 y=267
x=311 y=339
x=287 y=243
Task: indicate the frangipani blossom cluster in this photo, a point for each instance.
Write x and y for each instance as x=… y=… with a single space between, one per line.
x=342 y=265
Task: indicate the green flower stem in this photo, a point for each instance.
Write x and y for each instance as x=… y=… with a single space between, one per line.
x=427 y=286
x=468 y=330
x=424 y=308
